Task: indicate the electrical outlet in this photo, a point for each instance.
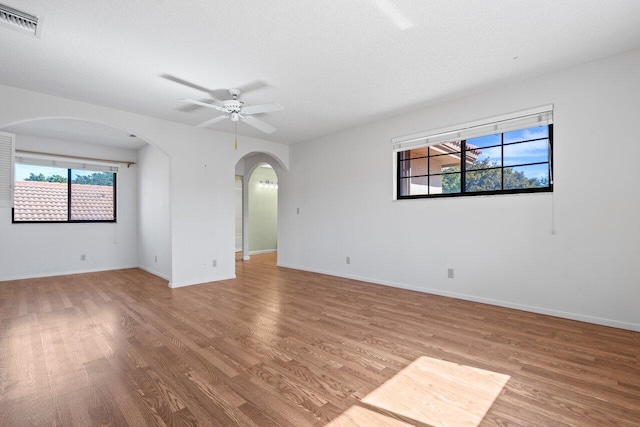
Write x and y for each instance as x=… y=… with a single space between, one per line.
x=214 y=263
x=298 y=210
x=450 y=273
x=348 y=260
x=156 y=258
x=83 y=257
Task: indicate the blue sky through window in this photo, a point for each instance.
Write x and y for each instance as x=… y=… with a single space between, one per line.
x=24 y=171
x=517 y=154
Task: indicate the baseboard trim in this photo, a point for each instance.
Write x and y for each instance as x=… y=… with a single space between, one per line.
x=500 y=303
x=155 y=273
x=174 y=285
x=64 y=273
x=265 y=251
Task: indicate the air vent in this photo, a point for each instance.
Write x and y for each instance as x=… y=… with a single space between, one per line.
x=19 y=21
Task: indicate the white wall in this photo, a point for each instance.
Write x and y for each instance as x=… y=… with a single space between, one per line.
x=263 y=212
x=500 y=246
x=238 y=225
x=33 y=250
x=202 y=165
x=154 y=220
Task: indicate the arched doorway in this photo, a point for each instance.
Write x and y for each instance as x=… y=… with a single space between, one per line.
x=111 y=169
x=257 y=189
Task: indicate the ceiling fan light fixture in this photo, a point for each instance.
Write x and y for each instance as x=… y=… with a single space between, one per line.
x=236 y=110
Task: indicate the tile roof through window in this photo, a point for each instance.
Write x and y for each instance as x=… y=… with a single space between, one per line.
x=47 y=201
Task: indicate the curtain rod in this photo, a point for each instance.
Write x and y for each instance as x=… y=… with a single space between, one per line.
x=128 y=163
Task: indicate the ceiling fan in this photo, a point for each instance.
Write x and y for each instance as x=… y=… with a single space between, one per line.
x=237 y=111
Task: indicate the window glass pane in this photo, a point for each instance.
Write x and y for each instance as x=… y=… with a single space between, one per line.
x=418 y=152
x=449 y=169
x=418 y=167
x=493 y=163
x=40 y=193
x=484 y=141
x=483 y=180
x=414 y=186
x=526 y=152
x=526 y=134
x=443 y=161
x=447 y=147
x=533 y=176
x=444 y=184
x=484 y=158
x=403 y=168
x=92 y=196
x=403 y=187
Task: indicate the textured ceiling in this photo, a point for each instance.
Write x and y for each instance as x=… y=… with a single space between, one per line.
x=331 y=64
x=77 y=131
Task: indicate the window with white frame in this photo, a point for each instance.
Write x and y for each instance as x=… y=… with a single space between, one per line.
x=503 y=155
x=52 y=189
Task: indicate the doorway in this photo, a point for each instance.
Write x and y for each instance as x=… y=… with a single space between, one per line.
x=257 y=207
x=262 y=213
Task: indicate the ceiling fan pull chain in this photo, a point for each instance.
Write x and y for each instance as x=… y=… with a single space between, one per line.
x=235 y=139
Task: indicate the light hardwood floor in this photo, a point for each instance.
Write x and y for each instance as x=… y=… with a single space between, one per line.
x=290 y=348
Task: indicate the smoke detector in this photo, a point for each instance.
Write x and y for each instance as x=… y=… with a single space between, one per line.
x=19 y=21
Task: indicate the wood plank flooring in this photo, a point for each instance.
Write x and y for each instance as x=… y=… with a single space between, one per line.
x=279 y=347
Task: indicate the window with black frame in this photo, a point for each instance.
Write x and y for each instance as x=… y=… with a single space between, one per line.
x=45 y=193
x=518 y=160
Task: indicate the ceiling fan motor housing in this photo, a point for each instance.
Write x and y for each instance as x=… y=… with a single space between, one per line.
x=236 y=111
x=233 y=106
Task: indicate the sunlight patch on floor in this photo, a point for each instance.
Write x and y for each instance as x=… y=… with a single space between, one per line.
x=357 y=416
x=430 y=391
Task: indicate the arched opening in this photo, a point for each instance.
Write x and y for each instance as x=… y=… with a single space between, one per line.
x=98 y=170
x=257 y=189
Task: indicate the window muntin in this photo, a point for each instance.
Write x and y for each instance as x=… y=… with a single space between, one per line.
x=510 y=162
x=53 y=194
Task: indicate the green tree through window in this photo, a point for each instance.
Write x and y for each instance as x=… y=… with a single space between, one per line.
x=97 y=178
x=56 y=194
x=41 y=178
x=486 y=176
x=517 y=161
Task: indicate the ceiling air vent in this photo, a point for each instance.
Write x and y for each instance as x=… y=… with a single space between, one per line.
x=19 y=21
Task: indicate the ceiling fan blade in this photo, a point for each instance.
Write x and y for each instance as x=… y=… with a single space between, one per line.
x=192 y=107
x=251 y=86
x=259 y=124
x=212 y=121
x=263 y=108
x=204 y=104
x=184 y=83
x=220 y=94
